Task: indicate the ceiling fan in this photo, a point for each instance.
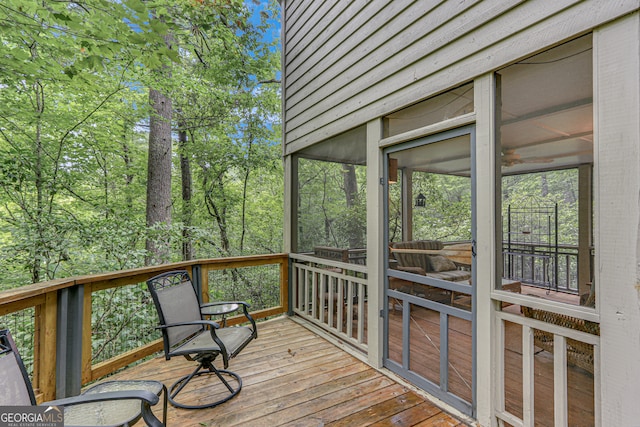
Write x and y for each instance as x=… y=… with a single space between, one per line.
x=511 y=158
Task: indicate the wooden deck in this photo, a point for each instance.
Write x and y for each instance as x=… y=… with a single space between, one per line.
x=293 y=377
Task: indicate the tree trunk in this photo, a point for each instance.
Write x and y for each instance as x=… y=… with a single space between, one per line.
x=351 y=192
x=128 y=164
x=187 y=210
x=244 y=192
x=350 y=183
x=219 y=213
x=159 y=177
x=544 y=190
x=40 y=250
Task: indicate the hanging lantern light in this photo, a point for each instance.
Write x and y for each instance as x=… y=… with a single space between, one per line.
x=421 y=201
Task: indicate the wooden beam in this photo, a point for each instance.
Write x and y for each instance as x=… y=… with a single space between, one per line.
x=22 y=304
x=99 y=370
x=46 y=357
x=284 y=285
x=87 y=336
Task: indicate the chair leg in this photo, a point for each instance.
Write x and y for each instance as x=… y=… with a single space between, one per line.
x=206 y=368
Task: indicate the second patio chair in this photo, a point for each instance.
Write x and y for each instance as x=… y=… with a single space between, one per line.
x=111 y=403
x=187 y=333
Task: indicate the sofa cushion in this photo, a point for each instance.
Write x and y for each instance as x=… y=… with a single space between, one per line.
x=451 y=276
x=441 y=263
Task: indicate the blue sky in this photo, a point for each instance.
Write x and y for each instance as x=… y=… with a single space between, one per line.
x=274 y=32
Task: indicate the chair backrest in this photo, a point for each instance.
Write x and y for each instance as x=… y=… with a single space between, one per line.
x=416 y=259
x=15 y=389
x=176 y=301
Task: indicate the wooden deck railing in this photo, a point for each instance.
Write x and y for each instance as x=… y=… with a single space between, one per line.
x=64 y=326
x=332 y=295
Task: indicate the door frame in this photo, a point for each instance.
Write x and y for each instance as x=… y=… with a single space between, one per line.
x=438 y=390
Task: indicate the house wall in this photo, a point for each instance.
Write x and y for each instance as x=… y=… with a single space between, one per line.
x=350 y=61
x=617 y=216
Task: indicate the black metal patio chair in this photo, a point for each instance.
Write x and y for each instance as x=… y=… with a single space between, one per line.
x=186 y=332
x=112 y=403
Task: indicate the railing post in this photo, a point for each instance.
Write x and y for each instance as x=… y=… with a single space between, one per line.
x=196 y=276
x=69 y=341
x=87 y=336
x=289 y=285
x=46 y=338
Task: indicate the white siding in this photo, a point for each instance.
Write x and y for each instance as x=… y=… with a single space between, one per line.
x=617 y=192
x=350 y=61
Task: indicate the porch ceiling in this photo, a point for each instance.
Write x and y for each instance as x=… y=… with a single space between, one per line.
x=547 y=123
x=348 y=147
x=544 y=123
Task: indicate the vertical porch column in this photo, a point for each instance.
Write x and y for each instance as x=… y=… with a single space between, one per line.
x=487 y=199
x=376 y=246
x=290 y=232
x=585 y=227
x=290 y=201
x=617 y=219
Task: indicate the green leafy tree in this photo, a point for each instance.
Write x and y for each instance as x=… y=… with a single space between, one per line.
x=74 y=129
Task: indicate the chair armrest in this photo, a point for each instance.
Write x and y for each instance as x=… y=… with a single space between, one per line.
x=414 y=270
x=238 y=304
x=209 y=304
x=214 y=325
x=245 y=311
x=146 y=397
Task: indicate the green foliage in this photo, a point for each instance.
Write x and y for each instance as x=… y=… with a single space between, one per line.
x=326 y=215
x=62 y=41
x=74 y=123
x=240 y=285
x=74 y=119
x=447 y=212
x=548 y=188
x=116 y=327
x=446 y=215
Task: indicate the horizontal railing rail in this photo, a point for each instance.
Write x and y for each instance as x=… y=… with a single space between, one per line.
x=62 y=321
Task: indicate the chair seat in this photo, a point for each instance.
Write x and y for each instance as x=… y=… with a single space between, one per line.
x=233 y=338
x=113 y=412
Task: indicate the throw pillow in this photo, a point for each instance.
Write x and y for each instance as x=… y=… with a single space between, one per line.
x=440 y=263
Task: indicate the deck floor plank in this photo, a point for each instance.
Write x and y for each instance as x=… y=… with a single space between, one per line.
x=318 y=398
x=381 y=411
x=411 y=416
x=293 y=377
x=348 y=408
